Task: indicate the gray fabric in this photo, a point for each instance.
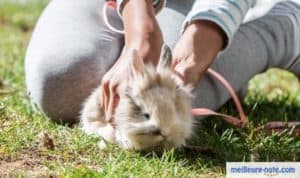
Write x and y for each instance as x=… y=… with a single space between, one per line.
x=71 y=49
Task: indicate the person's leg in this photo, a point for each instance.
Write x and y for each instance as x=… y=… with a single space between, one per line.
x=270 y=41
x=69 y=52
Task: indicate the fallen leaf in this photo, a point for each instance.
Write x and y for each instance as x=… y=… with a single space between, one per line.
x=47 y=141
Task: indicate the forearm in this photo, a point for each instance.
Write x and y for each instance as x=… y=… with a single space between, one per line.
x=208 y=40
x=197 y=49
x=141 y=29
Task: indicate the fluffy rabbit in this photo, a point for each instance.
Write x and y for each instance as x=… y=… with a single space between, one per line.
x=154 y=112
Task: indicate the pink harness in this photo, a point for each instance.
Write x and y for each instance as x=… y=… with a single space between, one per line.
x=242 y=122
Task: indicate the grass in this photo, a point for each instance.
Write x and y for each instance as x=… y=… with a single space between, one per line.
x=26 y=136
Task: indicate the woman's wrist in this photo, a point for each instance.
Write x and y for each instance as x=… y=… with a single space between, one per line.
x=139 y=19
x=142 y=31
x=208 y=37
x=196 y=50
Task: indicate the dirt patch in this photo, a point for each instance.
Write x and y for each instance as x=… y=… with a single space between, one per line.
x=26 y=164
x=30 y=161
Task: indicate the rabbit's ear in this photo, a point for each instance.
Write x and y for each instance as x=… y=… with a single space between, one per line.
x=165 y=60
x=137 y=65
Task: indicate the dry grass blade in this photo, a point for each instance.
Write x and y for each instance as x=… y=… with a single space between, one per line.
x=47 y=141
x=6 y=92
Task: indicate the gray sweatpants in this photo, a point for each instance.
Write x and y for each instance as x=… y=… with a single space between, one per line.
x=71 y=49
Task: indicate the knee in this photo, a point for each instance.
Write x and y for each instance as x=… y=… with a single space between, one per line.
x=59 y=90
x=59 y=80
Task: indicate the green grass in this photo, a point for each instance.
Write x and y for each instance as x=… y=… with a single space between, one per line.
x=23 y=152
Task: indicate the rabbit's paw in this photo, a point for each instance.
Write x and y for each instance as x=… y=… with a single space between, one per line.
x=102 y=145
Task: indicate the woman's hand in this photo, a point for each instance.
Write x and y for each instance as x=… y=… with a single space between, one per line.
x=143 y=35
x=196 y=50
x=111 y=81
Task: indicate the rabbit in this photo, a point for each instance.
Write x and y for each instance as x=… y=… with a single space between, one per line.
x=154 y=110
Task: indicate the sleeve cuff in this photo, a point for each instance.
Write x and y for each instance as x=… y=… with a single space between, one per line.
x=227 y=14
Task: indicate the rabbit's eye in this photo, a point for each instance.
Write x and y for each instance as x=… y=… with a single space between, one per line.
x=147 y=116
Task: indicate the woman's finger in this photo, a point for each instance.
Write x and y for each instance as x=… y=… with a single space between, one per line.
x=105 y=95
x=112 y=103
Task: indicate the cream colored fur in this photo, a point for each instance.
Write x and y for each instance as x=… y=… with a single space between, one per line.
x=154 y=112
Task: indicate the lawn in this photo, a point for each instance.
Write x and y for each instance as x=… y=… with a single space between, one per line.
x=31 y=145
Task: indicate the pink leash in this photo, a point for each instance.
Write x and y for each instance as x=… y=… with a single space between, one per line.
x=242 y=122
x=230 y=119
